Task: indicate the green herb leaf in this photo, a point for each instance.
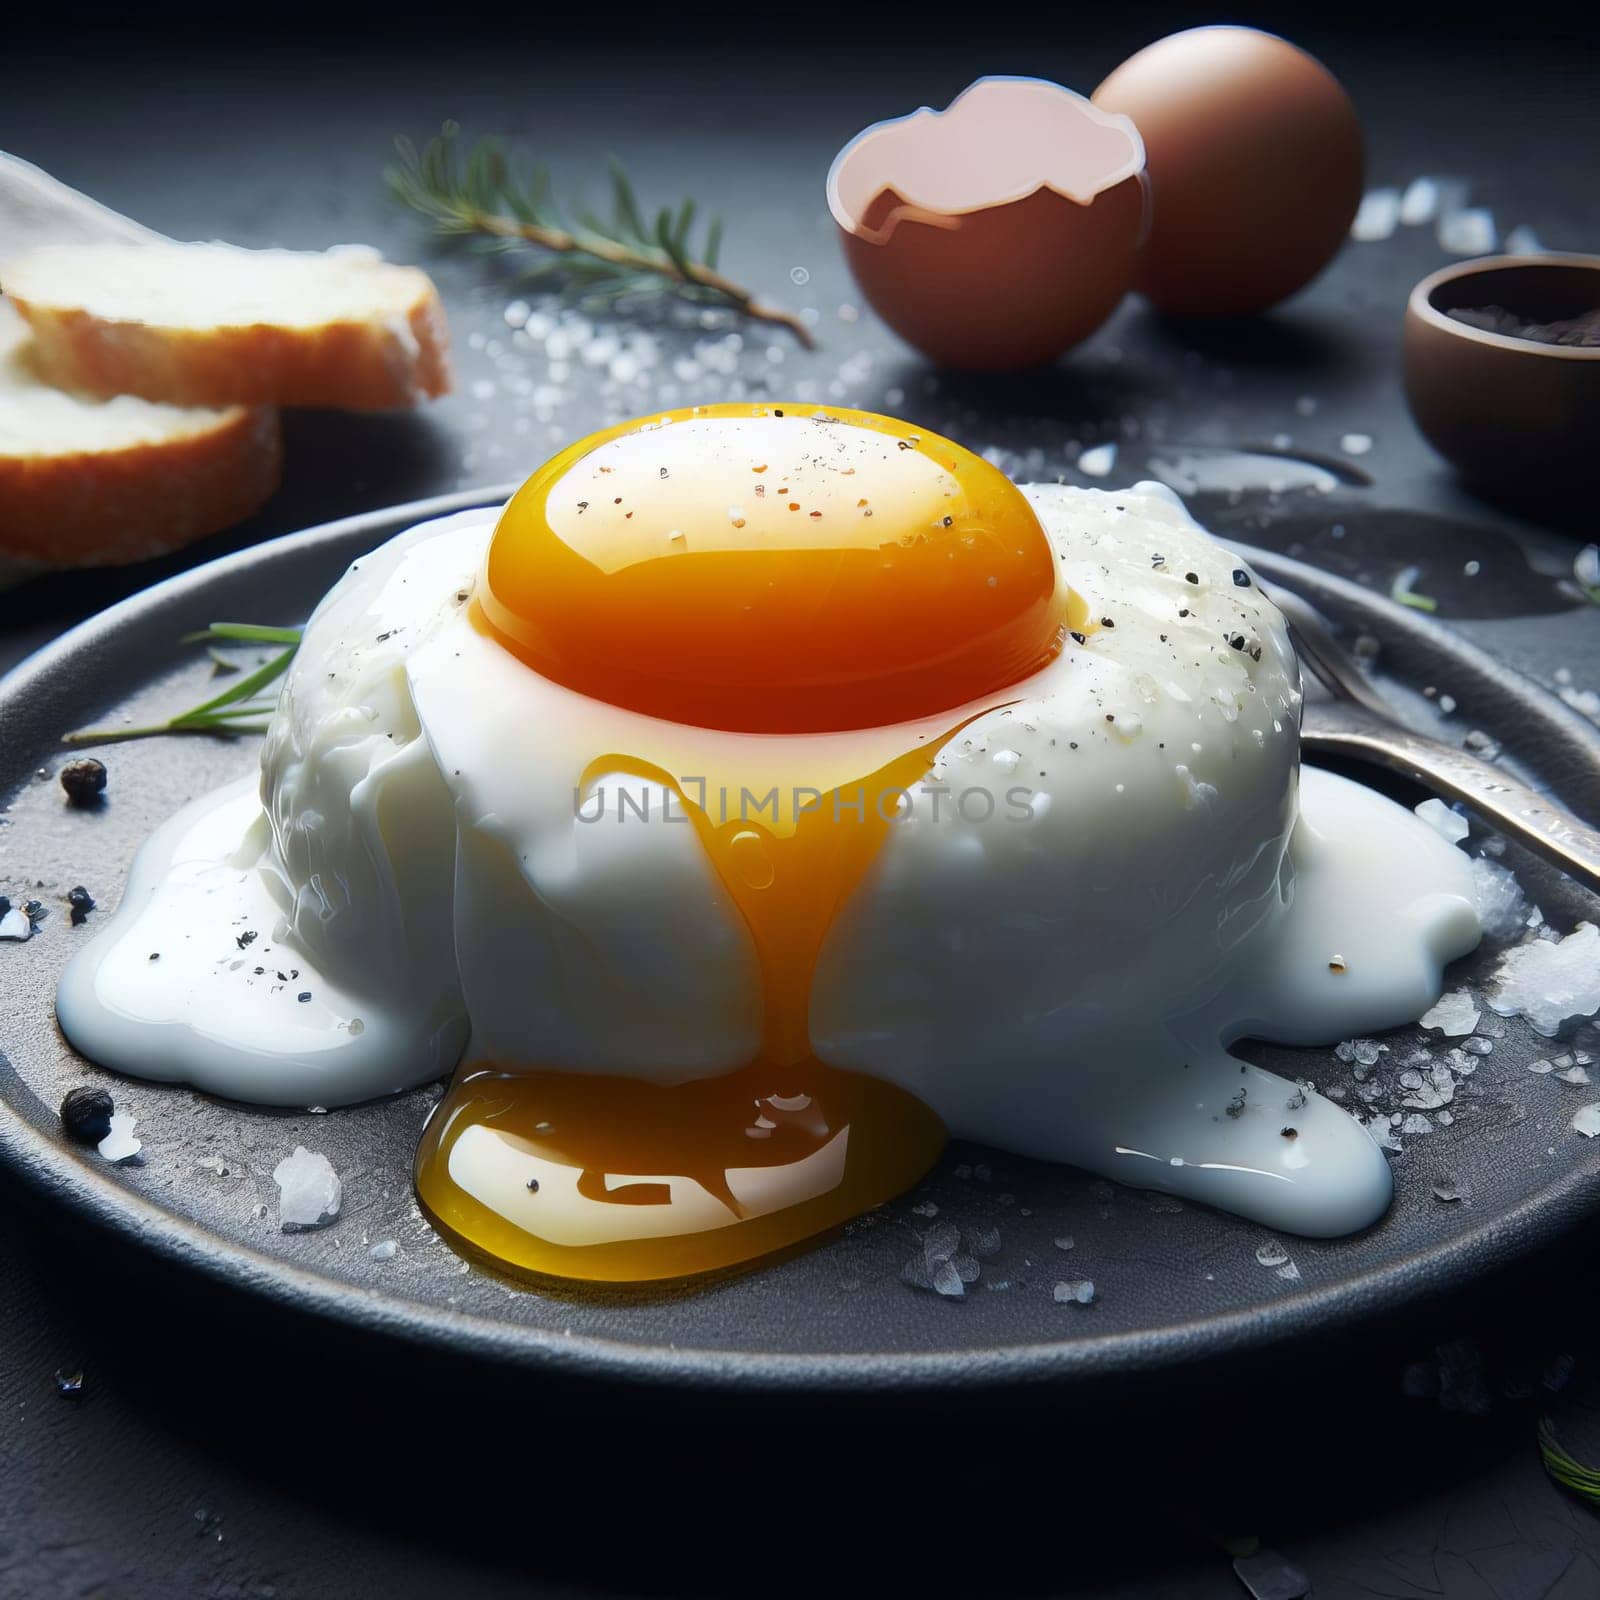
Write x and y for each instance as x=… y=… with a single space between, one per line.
x=243 y=633
x=240 y=708
x=1567 y=1470
x=1402 y=591
x=482 y=195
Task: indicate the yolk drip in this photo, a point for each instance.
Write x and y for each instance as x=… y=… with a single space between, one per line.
x=774 y=570
x=611 y=1178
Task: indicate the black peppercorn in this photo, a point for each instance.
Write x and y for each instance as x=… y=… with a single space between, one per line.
x=86 y=1113
x=84 y=780
x=82 y=903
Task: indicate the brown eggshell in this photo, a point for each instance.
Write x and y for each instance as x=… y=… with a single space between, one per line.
x=1506 y=411
x=1254 y=153
x=998 y=233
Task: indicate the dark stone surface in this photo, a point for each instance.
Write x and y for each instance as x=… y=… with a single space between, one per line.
x=337 y=1466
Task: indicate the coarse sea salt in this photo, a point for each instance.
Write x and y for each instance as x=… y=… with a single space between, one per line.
x=1446 y=823
x=1383 y=1134
x=1362 y=1052
x=1420 y=202
x=1468 y=232
x=1549 y=981
x=309 y=1191
x=943 y=1266
x=1377 y=216
x=1498 y=898
x=1096 y=463
x=1271 y=1253
x=1453 y=1016
x=119 y=1146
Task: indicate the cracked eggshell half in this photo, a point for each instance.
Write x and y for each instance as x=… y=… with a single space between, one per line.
x=999 y=232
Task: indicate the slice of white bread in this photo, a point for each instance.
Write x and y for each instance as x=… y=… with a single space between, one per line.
x=213 y=324
x=86 y=481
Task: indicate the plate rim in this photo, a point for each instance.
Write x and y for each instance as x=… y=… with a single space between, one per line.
x=55 y=1174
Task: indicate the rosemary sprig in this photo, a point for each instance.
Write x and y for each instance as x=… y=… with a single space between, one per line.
x=240 y=708
x=481 y=193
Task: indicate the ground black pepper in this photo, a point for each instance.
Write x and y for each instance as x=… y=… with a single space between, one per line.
x=86 y=1113
x=84 y=780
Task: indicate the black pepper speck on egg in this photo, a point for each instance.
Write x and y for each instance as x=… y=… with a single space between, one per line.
x=86 y=1113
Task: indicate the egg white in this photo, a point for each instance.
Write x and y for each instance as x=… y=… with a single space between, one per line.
x=1057 y=972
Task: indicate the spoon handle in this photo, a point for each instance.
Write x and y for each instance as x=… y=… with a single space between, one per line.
x=1516 y=810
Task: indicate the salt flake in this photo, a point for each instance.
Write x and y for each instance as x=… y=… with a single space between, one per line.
x=1454 y=1015
x=119 y=1146
x=1586 y=1120
x=1549 y=981
x=1448 y=824
x=309 y=1191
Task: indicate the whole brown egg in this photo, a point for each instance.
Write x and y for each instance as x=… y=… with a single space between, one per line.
x=1254 y=156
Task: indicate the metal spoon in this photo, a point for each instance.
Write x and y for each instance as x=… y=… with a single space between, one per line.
x=1359 y=724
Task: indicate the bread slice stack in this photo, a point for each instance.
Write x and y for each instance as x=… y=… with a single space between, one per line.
x=92 y=480
x=139 y=378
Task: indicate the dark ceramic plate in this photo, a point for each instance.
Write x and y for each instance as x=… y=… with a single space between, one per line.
x=1175 y=1284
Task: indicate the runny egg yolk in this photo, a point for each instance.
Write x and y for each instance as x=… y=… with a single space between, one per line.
x=862 y=588
x=774 y=570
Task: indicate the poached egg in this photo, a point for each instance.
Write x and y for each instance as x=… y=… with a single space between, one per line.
x=765 y=794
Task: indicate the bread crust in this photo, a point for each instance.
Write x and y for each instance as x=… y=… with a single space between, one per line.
x=109 y=507
x=375 y=364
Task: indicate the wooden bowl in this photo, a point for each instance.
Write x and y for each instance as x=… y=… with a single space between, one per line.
x=1507 y=411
